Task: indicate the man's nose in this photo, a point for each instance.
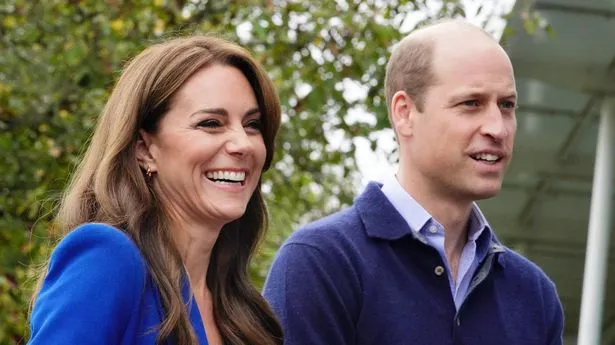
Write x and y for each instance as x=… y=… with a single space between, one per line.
x=494 y=124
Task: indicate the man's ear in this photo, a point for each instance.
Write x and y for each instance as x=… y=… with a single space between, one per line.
x=143 y=151
x=402 y=112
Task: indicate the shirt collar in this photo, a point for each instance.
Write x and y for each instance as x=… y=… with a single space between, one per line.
x=417 y=217
x=478 y=223
x=413 y=213
x=374 y=209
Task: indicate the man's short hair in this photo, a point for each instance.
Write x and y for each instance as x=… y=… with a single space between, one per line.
x=410 y=69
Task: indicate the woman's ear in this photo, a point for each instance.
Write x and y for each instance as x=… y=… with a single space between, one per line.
x=143 y=151
x=402 y=112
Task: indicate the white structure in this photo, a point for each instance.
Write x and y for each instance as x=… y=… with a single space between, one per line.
x=556 y=202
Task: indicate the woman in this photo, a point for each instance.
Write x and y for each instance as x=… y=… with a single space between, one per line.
x=165 y=209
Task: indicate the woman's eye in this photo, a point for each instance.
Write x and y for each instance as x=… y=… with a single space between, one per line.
x=209 y=124
x=255 y=124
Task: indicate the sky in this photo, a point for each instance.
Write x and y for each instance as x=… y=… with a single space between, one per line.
x=374 y=165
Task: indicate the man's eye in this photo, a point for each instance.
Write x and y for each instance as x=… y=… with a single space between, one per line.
x=209 y=124
x=508 y=105
x=471 y=103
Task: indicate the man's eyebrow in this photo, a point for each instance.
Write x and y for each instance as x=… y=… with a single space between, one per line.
x=480 y=94
x=467 y=95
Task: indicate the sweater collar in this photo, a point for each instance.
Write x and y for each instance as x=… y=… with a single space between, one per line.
x=375 y=211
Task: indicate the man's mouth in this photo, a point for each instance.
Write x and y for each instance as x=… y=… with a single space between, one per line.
x=488 y=158
x=227 y=177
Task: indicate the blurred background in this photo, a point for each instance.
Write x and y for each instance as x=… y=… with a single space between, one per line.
x=59 y=61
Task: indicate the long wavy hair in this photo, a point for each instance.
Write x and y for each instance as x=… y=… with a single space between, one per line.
x=110 y=187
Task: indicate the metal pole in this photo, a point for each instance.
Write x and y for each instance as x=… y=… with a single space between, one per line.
x=594 y=278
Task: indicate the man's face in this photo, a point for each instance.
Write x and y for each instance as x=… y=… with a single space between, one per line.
x=462 y=141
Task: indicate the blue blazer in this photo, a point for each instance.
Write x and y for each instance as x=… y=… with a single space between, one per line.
x=98 y=290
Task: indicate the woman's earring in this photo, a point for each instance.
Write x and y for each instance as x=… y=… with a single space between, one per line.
x=149 y=172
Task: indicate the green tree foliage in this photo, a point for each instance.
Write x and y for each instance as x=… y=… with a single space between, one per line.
x=59 y=60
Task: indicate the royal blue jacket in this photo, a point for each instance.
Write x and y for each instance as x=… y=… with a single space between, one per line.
x=98 y=290
x=361 y=276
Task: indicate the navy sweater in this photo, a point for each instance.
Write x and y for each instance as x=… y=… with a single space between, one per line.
x=361 y=277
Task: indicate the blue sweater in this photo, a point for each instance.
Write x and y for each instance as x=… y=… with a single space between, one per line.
x=98 y=290
x=361 y=277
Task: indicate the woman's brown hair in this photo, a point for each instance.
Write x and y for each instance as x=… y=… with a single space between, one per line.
x=110 y=187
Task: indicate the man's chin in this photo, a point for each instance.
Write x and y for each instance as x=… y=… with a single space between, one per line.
x=486 y=192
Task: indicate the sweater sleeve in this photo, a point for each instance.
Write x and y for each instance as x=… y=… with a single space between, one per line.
x=94 y=283
x=555 y=326
x=313 y=295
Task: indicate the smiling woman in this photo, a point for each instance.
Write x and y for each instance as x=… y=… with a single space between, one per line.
x=165 y=209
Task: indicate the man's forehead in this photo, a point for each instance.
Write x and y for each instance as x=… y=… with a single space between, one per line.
x=476 y=57
x=451 y=30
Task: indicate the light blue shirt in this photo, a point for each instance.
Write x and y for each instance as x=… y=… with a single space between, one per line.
x=427 y=228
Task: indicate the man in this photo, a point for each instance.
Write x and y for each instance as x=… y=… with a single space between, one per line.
x=414 y=260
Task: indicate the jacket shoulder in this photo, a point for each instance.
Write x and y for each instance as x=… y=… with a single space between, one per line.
x=92 y=288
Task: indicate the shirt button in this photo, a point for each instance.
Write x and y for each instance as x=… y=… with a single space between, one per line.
x=438 y=270
x=433 y=229
x=458 y=322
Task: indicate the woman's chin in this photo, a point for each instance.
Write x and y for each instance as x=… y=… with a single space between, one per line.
x=232 y=214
